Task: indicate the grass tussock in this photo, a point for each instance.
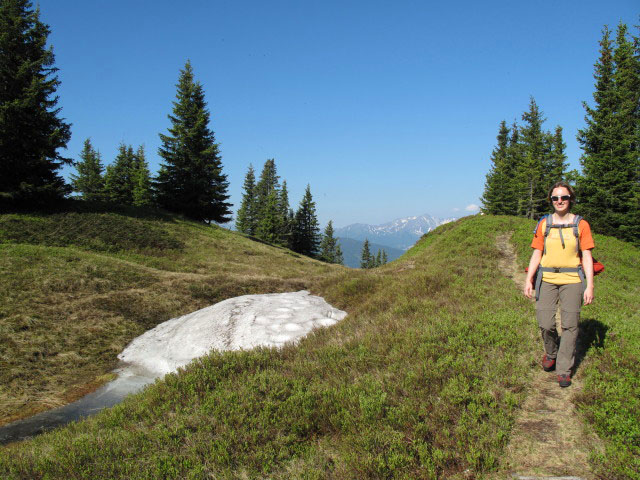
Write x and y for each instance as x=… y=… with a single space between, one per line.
x=423 y=379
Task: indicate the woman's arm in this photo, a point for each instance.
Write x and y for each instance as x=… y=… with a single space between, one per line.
x=536 y=256
x=587 y=265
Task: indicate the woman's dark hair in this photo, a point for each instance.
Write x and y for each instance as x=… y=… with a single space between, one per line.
x=565 y=185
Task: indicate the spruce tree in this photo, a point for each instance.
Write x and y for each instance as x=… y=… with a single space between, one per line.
x=609 y=187
x=247 y=221
x=267 y=183
x=497 y=192
x=31 y=130
x=558 y=160
x=531 y=173
x=338 y=256
x=378 y=262
x=89 y=181
x=365 y=255
x=286 y=223
x=384 y=257
x=119 y=180
x=330 y=250
x=269 y=223
x=306 y=233
x=190 y=180
x=141 y=194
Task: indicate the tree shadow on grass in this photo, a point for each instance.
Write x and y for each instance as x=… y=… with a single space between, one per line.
x=591 y=333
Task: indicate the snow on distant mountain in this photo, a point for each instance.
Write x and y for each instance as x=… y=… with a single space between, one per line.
x=401 y=233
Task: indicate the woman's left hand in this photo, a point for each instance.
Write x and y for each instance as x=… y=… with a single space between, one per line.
x=588 y=295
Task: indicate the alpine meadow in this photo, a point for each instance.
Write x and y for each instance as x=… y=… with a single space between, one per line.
x=434 y=372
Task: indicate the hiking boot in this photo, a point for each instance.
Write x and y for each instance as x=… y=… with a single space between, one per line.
x=548 y=364
x=564 y=380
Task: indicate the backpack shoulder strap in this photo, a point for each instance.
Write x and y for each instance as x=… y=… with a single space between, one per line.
x=538 y=224
x=576 y=231
x=548 y=221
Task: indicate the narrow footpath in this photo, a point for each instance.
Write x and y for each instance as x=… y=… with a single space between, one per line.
x=548 y=441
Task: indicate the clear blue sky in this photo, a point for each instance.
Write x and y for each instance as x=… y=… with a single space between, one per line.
x=388 y=109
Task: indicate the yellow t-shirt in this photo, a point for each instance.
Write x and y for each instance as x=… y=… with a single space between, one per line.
x=559 y=257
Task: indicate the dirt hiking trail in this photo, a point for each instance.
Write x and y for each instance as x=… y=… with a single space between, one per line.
x=548 y=441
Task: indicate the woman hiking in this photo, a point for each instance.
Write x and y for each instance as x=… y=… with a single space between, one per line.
x=562 y=267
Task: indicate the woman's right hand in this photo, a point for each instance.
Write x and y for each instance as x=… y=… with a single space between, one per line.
x=528 y=288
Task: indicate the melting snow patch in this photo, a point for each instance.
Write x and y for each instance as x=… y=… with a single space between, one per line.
x=237 y=323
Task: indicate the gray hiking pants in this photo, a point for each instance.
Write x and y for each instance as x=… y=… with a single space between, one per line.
x=570 y=297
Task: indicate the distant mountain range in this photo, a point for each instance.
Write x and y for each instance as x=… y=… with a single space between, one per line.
x=400 y=234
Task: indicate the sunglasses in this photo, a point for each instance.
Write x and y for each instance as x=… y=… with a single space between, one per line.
x=564 y=198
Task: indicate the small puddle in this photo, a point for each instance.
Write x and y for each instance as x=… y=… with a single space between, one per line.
x=106 y=396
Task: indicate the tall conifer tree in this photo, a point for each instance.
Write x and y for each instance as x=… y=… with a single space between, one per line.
x=247 y=221
x=141 y=194
x=267 y=183
x=531 y=174
x=119 y=180
x=286 y=223
x=330 y=250
x=190 y=180
x=558 y=160
x=31 y=130
x=306 y=233
x=497 y=188
x=89 y=181
x=365 y=255
x=270 y=221
x=609 y=187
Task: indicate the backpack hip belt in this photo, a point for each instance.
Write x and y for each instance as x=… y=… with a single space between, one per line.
x=579 y=270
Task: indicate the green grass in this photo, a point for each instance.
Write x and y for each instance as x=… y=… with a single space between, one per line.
x=423 y=379
x=611 y=399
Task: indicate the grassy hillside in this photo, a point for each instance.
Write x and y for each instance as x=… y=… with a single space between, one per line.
x=75 y=288
x=423 y=379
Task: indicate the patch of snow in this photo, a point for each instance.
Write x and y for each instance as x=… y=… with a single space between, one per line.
x=235 y=324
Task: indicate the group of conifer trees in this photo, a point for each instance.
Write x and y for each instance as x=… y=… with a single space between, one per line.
x=265 y=214
x=368 y=259
x=190 y=180
x=126 y=181
x=527 y=161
